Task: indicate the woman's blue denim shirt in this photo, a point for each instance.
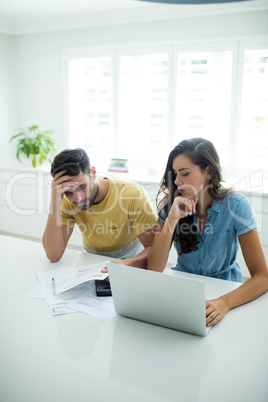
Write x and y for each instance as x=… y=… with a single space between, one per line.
x=218 y=244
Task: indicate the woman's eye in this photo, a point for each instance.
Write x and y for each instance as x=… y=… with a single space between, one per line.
x=185 y=174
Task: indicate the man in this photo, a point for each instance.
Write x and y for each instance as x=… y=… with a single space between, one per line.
x=115 y=217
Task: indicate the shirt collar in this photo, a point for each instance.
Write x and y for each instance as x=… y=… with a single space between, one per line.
x=216 y=205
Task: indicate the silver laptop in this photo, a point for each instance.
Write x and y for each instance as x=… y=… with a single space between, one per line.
x=158 y=298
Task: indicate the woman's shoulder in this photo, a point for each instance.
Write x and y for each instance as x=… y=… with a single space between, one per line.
x=234 y=198
x=233 y=201
x=238 y=204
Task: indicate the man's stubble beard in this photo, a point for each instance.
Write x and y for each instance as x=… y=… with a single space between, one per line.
x=90 y=200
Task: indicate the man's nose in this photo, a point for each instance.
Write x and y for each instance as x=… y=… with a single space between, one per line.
x=77 y=197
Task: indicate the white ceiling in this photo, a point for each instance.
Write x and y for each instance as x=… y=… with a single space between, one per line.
x=25 y=16
x=20 y=10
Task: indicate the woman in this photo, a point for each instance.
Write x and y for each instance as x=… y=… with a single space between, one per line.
x=205 y=221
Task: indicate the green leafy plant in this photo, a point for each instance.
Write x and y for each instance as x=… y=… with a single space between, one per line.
x=39 y=144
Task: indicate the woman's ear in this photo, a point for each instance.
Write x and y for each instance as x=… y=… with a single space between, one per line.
x=207 y=172
x=93 y=172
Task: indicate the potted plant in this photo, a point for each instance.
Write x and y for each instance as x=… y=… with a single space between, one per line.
x=39 y=144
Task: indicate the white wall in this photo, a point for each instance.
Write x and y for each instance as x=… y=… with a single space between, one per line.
x=32 y=80
x=8 y=92
x=40 y=57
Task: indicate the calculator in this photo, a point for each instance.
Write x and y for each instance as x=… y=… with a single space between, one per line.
x=103 y=288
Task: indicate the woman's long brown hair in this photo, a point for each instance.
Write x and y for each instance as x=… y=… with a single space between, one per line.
x=202 y=153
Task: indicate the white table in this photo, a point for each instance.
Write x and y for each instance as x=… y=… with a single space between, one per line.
x=79 y=358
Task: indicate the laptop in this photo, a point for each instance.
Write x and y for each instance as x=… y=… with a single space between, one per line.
x=158 y=298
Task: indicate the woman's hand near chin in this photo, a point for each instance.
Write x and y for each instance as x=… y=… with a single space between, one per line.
x=182 y=207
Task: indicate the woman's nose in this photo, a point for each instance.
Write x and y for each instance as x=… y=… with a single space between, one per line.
x=178 y=181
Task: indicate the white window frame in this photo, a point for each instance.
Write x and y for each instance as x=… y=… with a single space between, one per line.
x=237 y=45
x=210 y=47
x=136 y=50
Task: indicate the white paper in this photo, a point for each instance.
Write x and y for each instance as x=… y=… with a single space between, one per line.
x=61 y=276
x=82 y=275
x=61 y=308
x=102 y=307
x=62 y=286
x=90 y=303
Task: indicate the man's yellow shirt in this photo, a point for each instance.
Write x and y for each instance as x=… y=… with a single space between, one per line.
x=114 y=223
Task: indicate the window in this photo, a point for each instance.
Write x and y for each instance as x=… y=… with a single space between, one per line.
x=204 y=83
x=91 y=105
x=139 y=102
x=253 y=133
x=143 y=108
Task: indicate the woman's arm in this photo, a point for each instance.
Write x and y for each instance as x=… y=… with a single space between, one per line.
x=158 y=255
x=251 y=289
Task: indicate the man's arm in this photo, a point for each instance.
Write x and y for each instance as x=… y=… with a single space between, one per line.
x=56 y=236
x=146 y=238
x=141 y=212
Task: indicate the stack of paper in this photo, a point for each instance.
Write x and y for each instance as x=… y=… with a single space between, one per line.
x=68 y=290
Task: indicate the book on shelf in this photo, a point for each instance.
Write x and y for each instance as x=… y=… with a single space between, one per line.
x=118 y=165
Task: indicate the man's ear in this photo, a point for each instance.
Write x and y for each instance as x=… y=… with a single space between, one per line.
x=93 y=172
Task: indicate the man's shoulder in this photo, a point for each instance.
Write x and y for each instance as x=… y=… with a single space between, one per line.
x=125 y=185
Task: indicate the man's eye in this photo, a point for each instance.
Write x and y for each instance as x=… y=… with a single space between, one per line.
x=81 y=188
x=67 y=193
